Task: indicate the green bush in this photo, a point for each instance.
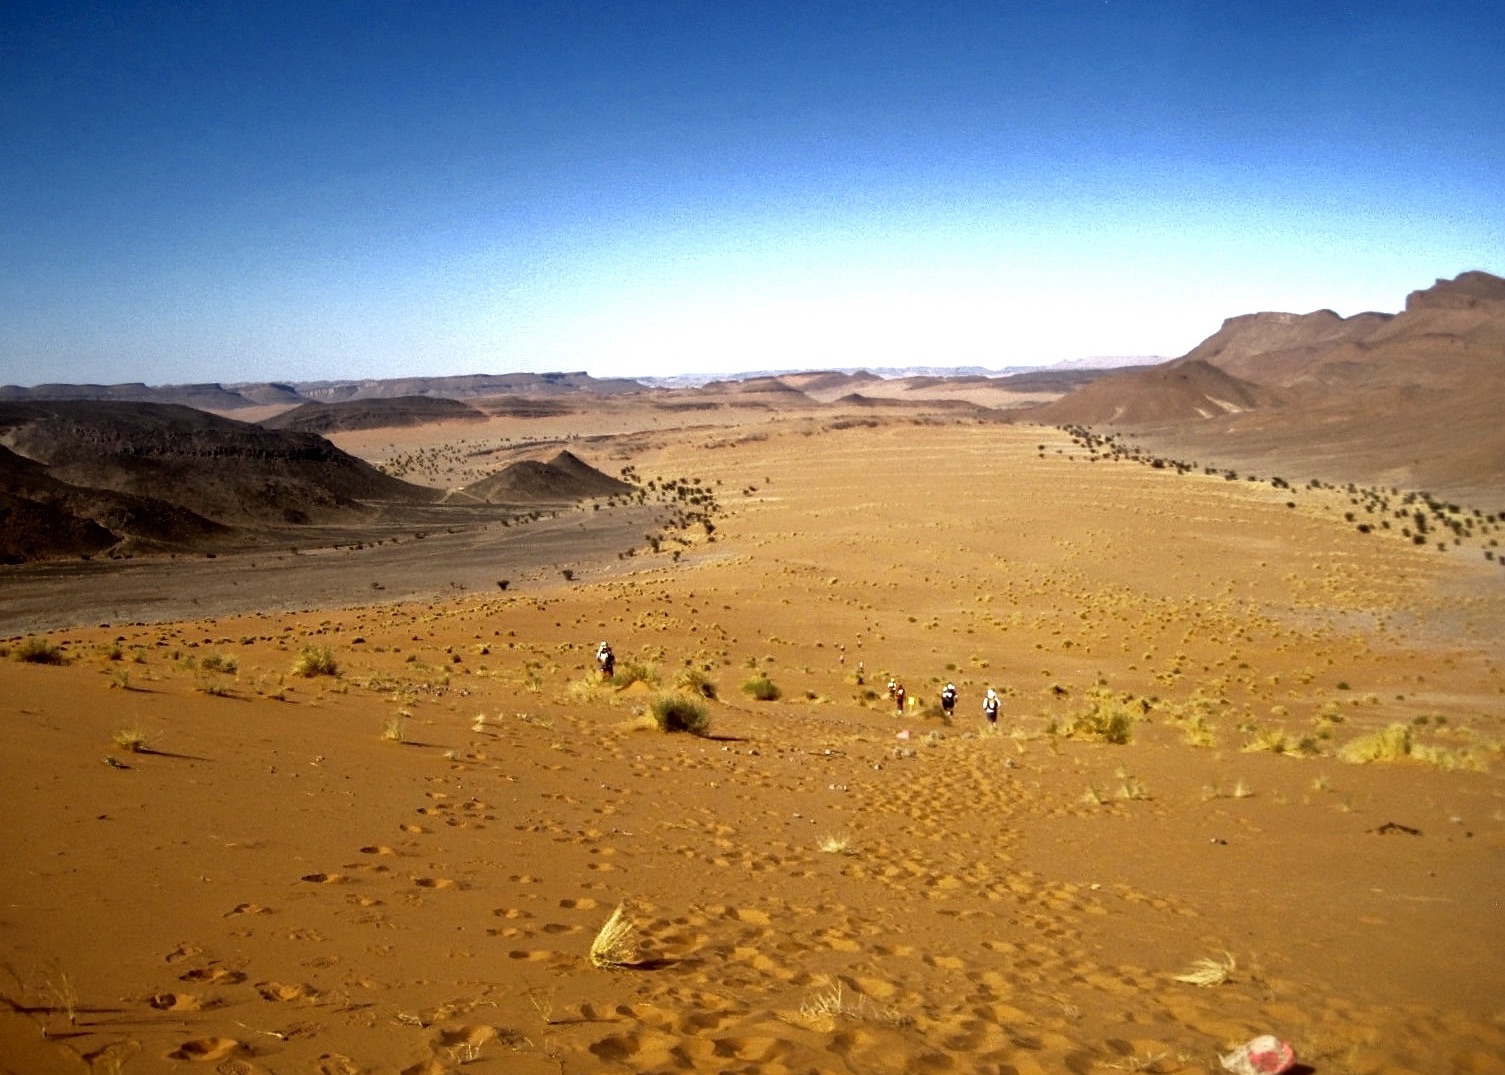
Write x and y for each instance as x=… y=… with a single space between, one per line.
x=761 y=688
x=680 y=713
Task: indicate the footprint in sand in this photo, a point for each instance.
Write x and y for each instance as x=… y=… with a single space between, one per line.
x=464 y=1037
x=531 y=955
x=945 y=962
x=323 y=878
x=647 y=1050
x=377 y=849
x=336 y=1064
x=754 y=1049
x=214 y=974
x=247 y=908
x=585 y=903
x=369 y=867
x=206 y=1049
x=183 y=951
x=698 y=1023
x=747 y=914
x=435 y=882
x=176 y=1002
x=277 y=991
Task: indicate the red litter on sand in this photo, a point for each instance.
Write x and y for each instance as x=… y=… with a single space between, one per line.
x=1264 y=1055
x=904 y=734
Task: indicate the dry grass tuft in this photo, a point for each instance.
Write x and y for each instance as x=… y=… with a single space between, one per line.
x=697 y=682
x=1452 y=759
x=614 y=945
x=761 y=688
x=1107 y=716
x=1271 y=741
x=135 y=739
x=1208 y=972
x=316 y=661
x=1387 y=744
x=1197 y=732
x=827 y=1001
x=629 y=672
x=835 y=845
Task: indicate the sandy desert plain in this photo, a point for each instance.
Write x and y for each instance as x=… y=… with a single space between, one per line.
x=402 y=866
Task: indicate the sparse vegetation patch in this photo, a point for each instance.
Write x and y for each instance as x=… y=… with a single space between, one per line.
x=680 y=713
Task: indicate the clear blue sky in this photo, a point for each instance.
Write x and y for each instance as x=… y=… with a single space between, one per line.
x=223 y=190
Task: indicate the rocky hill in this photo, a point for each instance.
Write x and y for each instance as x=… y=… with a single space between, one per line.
x=161 y=476
x=397 y=411
x=1410 y=399
x=565 y=477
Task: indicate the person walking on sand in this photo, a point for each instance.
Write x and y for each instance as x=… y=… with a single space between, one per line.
x=948 y=701
x=990 y=706
x=899 y=697
x=606 y=660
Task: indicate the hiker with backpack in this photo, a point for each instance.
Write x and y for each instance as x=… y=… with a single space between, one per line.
x=606 y=661
x=990 y=706
x=948 y=701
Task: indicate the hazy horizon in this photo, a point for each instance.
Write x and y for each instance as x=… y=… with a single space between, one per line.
x=230 y=193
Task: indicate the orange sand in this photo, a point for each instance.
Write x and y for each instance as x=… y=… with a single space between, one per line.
x=273 y=886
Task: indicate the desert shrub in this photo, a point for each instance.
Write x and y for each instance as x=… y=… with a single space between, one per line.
x=680 y=713
x=316 y=661
x=696 y=682
x=1387 y=744
x=1466 y=757
x=1106 y=716
x=1270 y=740
x=1197 y=732
x=135 y=739
x=217 y=662
x=761 y=688
x=627 y=673
x=35 y=650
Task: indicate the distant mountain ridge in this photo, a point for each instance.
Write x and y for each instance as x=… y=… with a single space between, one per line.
x=1410 y=399
x=524 y=389
x=232 y=397
x=377 y=413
